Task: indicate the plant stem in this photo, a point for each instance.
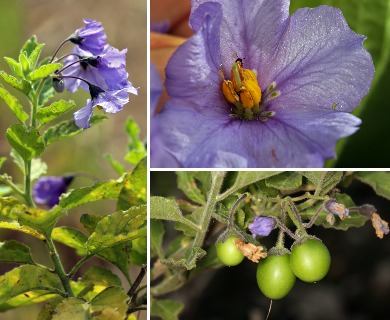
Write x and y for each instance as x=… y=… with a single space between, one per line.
x=78 y=265
x=204 y=221
x=27 y=184
x=58 y=268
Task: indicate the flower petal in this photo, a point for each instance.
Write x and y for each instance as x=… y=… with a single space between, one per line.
x=82 y=116
x=249 y=29
x=210 y=138
x=201 y=56
x=320 y=62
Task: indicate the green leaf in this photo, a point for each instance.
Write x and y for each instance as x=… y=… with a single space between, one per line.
x=109 y=304
x=138 y=254
x=136 y=148
x=34 y=56
x=117 y=166
x=157 y=231
x=167 y=209
x=285 y=181
x=23 y=60
x=41 y=220
x=117 y=228
x=43 y=71
x=379 y=181
x=27 y=278
x=18 y=160
x=13 y=225
x=324 y=180
x=187 y=183
x=28 y=298
x=14 y=251
x=21 y=85
x=10 y=208
x=2 y=160
x=30 y=45
x=99 y=191
x=27 y=142
x=67 y=129
x=97 y=275
x=47 y=114
x=191 y=255
x=245 y=178
x=15 y=67
x=133 y=192
x=119 y=255
x=38 y=168
x=90 y=221
x=71 y=308
x=166 y=309
x=71 y=237
x=14 y=105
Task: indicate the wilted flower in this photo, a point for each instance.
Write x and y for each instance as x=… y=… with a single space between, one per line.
x=261 y=226
x=47 y=190
x=381 y=226
x=336 y=208
x=91 y=38
x=282 y=101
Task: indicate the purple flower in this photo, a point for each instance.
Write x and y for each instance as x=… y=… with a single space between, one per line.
x=310 y=71
x=107 y=70
x=261 y=226
x=159 y=157
x=47 y=190
x=91 y=37
x=336 y=208
x=111 y=101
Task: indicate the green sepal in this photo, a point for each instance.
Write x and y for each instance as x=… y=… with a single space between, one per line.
x=27 y=142
x=14 y=105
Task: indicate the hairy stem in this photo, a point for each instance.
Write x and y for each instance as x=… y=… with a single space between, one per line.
x=27 y=184
x=58 y=267
x=204 y=221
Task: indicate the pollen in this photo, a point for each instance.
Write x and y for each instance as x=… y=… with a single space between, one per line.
x=242 y=90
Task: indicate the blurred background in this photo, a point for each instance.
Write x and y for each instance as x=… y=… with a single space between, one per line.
x=369 y=147
x=357 y=286
x=125 y=24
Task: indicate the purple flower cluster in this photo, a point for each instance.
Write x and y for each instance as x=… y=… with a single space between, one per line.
x=95 y=64
x=256 y=87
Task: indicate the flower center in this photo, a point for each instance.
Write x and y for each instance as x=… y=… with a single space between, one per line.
x=244 y=92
